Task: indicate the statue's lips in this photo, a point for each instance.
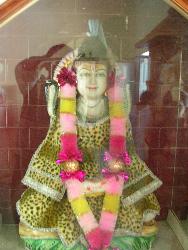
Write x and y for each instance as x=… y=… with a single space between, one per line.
x=92 y=87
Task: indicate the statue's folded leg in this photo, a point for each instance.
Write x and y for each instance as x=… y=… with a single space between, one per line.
x=26 y=231
x=37 y=240
x=150 y=228
x=34 y=239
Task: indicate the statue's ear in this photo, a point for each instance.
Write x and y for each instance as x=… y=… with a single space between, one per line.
x=51 y=92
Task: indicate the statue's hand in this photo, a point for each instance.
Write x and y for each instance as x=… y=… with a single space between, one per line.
x=71 y=166
x=115 y=165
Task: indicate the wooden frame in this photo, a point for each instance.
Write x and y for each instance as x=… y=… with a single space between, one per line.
x=12 y=8
x=180 y=5
x=183 y=4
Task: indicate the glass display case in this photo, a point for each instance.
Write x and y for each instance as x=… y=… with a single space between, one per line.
x=142 y=46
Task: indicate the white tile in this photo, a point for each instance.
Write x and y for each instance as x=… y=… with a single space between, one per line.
x=13 y=47
x=164 y=244
x=166 y=239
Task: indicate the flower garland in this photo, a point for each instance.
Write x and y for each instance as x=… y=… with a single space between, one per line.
x=70 y=155
x=117 y=155
x=117 y=143
x=97 y=234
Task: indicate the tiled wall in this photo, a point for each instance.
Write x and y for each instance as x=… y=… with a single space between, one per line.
x=160 y=135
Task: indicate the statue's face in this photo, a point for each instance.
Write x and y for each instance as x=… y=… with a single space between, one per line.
x=92 y=79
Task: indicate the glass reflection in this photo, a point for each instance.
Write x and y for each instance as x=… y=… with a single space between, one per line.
x=157 y=83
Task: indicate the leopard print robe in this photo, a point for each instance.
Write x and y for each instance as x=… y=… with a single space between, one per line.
x=44 y=205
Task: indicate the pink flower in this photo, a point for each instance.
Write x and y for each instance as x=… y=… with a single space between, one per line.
x=108 y=174
x=65 y=156
x=79 y=175
x=66 y=76
x=124 y=156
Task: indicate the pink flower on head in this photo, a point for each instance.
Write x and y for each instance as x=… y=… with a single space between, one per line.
x=66 y=76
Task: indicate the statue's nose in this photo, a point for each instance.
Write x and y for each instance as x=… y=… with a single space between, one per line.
x=93 y=78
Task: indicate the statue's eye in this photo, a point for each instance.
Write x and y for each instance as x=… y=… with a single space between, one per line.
x=85 y=74
x=100 y=74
